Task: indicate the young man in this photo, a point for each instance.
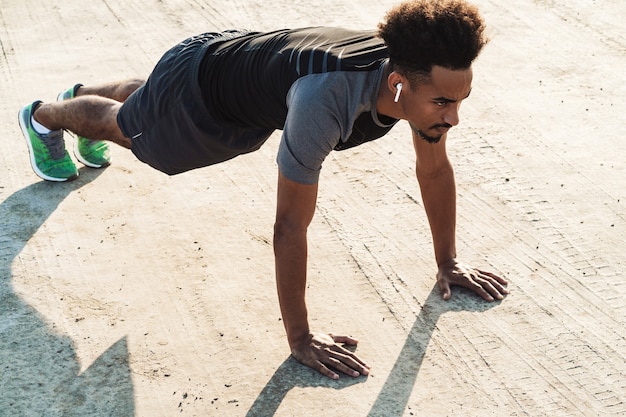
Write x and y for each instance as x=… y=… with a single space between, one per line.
x=219 y=95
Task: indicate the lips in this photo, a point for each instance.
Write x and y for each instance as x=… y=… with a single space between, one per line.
x=441 y=127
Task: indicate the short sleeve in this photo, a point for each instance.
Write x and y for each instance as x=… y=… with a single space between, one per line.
x=313 y=127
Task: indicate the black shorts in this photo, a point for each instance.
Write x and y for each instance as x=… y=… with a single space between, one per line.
x=167 y=120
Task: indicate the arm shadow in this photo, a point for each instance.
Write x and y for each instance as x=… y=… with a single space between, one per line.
x=291 y=374
x=394 y=396
x=40 y=373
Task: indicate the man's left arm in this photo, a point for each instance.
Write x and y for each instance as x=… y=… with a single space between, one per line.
x=435 y=176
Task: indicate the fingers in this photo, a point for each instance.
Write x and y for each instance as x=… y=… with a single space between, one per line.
x=348 y=366
x=326 y=356
x=354 y=361
x=493 y=284
x=444 y=286
x=487 y=285
x=486 y=291
x=344 y=339
x=500 y=280
x=322 y=369
x=347 y=362
x=484 y=287
x=342 y=364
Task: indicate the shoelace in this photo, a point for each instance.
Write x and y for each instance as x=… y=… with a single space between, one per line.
x=55 y=143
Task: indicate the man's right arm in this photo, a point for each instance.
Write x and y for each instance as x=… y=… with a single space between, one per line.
x=294 y=211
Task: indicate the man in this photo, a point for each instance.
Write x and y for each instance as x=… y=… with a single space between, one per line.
x=219 y=95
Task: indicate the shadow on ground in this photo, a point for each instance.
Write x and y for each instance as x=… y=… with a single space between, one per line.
x=394 y=396
x=39 y=371
x=289 y=375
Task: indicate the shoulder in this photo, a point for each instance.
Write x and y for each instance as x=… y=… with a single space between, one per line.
x=332 y=87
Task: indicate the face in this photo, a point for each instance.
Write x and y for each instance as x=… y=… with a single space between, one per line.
x=432 y=108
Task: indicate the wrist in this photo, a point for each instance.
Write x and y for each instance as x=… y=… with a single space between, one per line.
x=298 y=338
x=447 y=262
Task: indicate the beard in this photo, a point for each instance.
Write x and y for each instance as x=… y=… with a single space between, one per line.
x=427 y=138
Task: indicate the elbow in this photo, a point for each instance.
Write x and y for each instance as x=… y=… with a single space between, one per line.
x=287 y=234
x=280 y=232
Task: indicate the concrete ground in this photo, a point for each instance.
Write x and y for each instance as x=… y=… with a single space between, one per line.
x=127 y=292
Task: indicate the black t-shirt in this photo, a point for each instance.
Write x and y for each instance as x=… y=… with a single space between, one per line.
x=318 y=84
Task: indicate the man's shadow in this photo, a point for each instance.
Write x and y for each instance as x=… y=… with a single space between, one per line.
x=396 y=392
x=39 y=370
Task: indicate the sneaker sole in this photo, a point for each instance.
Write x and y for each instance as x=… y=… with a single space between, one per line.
x=31 y=153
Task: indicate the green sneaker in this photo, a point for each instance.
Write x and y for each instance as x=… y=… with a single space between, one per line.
x=48 y=156
x=92 y=153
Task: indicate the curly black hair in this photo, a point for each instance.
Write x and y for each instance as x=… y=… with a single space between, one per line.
x=422 y=33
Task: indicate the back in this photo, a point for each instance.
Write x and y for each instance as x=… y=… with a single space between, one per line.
x=245 y=80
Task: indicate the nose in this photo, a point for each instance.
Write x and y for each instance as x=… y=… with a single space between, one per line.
x=452 y=115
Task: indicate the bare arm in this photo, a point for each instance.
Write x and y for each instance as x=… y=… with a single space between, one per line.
x=294 y=211
x=437 y=184
x=436 y=179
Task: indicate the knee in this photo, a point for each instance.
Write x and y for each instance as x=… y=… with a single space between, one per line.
x=129 y=87
x=115 y=133
x=135 y=83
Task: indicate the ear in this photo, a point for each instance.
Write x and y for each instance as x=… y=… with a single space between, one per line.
x=394 y=79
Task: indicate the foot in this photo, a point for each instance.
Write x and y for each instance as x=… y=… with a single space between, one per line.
x=92 y=153
x=48 y=156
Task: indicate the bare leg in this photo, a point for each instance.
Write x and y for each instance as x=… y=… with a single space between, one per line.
x=92 y=116
x=92 y=113
x=118 y=91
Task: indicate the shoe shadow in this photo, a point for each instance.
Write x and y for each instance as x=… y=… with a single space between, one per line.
x=396 y=392
x=39 y=370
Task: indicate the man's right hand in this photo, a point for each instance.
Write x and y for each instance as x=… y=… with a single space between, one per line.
x=324 y=353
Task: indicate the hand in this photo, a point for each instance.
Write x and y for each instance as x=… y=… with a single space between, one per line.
x=323 y=353
x=489 y=286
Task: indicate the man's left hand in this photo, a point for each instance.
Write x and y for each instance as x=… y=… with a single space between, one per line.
x=489 y=286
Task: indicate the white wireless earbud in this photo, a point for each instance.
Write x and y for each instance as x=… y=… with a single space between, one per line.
x=398 y=91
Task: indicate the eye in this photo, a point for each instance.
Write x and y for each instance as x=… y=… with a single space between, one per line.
x=440 y=103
